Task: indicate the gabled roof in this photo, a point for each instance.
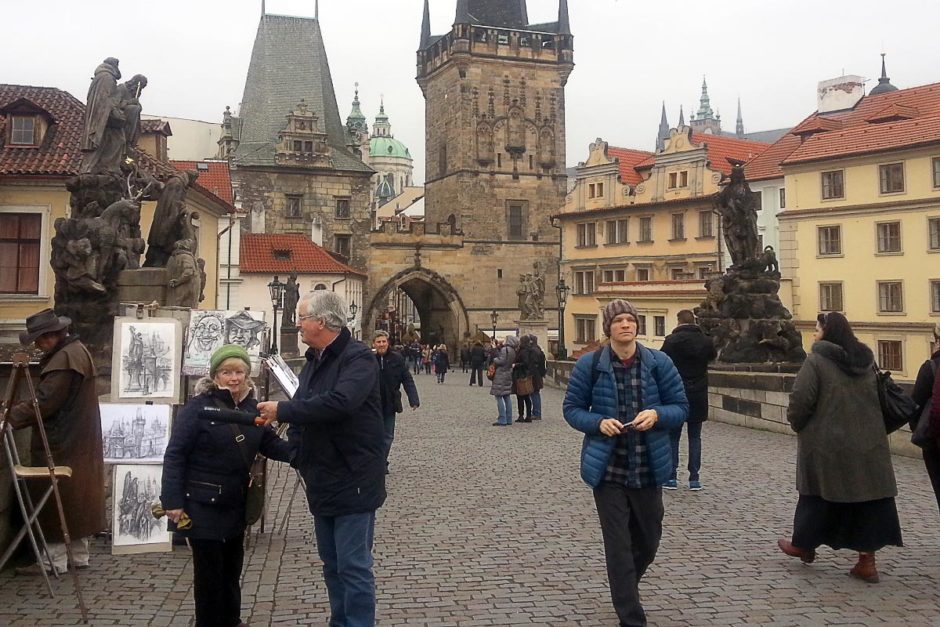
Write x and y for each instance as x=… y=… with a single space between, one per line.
x=155 y=126
x=288 y=64
x=628 y=159
x=59 y=153
x=214 y=177
x=258 y=254
x=883 y=122
x=719 y=150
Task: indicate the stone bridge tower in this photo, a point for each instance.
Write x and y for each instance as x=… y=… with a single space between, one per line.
x=494 y=89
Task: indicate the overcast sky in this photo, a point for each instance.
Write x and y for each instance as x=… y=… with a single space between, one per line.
x=630 y=55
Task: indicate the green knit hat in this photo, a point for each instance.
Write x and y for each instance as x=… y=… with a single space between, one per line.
x=229 y=351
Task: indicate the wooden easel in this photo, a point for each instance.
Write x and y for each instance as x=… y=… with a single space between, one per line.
x=23 y=474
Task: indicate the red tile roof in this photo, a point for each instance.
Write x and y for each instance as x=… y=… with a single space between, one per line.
x=628 y=159
x=257 y=255
x=59 y=153
x=217 y=179
x=906 y=118
x=719 y=150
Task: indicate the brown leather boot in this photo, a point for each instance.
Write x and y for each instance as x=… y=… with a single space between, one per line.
x=807 y=556
x=865 y=568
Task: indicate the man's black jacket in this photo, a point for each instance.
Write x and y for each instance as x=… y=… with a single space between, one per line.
x=477 y=357
x=393 y=374
x=691 y=351
x=336 y=423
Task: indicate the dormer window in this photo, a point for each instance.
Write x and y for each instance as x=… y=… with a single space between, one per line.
x=23 y=130
x=282 y=255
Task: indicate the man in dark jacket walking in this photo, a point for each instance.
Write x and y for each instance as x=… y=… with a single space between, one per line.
x=691 y=351
x=336 y=426
x=393 y=374
x=477 y=363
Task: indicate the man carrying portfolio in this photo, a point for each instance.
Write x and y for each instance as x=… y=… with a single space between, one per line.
x=336 y=424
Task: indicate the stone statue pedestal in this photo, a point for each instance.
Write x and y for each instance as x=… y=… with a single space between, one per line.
x=288 y=342
x=538 y=328
x=143 y=285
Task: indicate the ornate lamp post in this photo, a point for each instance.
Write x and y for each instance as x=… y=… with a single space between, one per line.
x=353 y=308
x=561 y=291
x=494 y=318
x=276 y=288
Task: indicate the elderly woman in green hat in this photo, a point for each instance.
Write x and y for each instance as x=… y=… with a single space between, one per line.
x=205 y=482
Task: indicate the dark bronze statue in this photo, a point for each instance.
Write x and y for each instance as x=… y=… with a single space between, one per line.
x=184 y=281
x=291 y=298
x=171 y=223
x=738 y=209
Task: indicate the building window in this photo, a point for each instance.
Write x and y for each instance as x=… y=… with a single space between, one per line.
x=442 y=160
x=678 y=179
x=342 y=207
x=660 y=323
x=832 y=186
x=936 y=172
x=890 y=297
x=889 y=237
x=678 y=226
x=830 y=240
x=646 y=229
x=585 y=329
x=706 y=224
x=308 y=147
x=516 y=227
x=830 y=297
x=587 y=232
x=891 y=176
x=704 y=271
x=890 y=356
x=615 y=276
x=935 y=297
x=320 y=286
x=673 y=180
x=584 y=282
x=642 y=274
x=933 y=226
x=616 y=231
x=341 y=245
x=641 y=324
x=298 y=145
x=20 y=239
x=677 y=274
x=783 y=198
x=596 y=190
x=295 y=204
x=23 y=131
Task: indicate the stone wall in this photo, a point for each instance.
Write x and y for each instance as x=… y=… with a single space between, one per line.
x=755 y=397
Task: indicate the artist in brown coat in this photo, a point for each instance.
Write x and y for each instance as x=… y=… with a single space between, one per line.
x=69 y=408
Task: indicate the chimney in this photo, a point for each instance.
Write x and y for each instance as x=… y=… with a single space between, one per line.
x=838 y=94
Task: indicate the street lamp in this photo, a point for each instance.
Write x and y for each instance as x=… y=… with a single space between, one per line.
x=353 y=308
x=494 y=317
x=276 y=288
x=561 y=291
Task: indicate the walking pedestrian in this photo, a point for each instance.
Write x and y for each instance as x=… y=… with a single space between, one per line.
x=626 y=398
x=465 y=357
x=844 y=474
x=691 y=351
x=927 y=388
x=427 y=355
x=501 y=387
x=477 y=363
x=415 y=356
x=538 y=378
x=522 y=374
x=441 y=362
x=393 y=375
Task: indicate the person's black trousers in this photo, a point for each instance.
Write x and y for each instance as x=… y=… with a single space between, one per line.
x=932 y=462
x=217 y=568
x=524 y=403
x=632 y=525
x=476 y=374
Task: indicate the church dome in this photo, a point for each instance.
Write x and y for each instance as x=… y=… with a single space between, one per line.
x=388 y=147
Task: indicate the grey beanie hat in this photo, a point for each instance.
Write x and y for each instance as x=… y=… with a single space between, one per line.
x=613 y=309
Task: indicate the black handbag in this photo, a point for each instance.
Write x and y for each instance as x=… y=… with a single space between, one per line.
x=897 y=408
x=257 y=473
x=922 y=434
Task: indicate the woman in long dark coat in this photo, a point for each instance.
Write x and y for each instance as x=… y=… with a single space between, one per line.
x=441 y=362
x=843 y=472
x=524 y=366
x=927 y=388
x=205 y=476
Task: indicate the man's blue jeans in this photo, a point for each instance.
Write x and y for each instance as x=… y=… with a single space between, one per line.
x=695 y=449
x=504 y=406
x=345 y=546
x=536 y=398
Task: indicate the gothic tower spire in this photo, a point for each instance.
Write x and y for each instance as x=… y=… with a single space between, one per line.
x=739 y=126
x=426 y=26
x=564 y=23
x=463 y=12
x=884 y=83
x=681 y=117
x=663 y=133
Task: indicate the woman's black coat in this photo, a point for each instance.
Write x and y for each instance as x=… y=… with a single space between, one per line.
x=205 y=472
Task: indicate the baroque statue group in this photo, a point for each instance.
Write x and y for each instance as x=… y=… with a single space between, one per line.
x=102 y=236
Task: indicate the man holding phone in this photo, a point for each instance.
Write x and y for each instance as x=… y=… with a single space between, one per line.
x=626 y=398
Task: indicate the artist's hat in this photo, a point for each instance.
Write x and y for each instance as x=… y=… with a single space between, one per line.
x=41 y=323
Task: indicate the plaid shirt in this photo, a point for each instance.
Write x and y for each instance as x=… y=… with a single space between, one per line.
x=629 y=463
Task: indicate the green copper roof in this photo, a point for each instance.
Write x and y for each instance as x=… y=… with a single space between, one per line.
x=388 y=147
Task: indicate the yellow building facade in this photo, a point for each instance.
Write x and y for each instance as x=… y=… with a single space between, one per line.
x=641 y=226
x=861 y=234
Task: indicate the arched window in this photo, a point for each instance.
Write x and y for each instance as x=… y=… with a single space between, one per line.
x=320 y=286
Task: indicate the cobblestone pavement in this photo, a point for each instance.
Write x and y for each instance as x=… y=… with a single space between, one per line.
x=492 y=526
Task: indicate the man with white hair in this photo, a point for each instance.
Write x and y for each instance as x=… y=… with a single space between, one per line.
x=336 y=425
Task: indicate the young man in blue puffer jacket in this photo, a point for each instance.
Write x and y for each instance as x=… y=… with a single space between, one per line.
x=626 y=398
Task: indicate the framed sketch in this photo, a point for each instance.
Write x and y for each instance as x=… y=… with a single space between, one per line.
x=284 y=376
x=134 y=529
x=134 y=434
x=146 y=360
x=208 y=330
